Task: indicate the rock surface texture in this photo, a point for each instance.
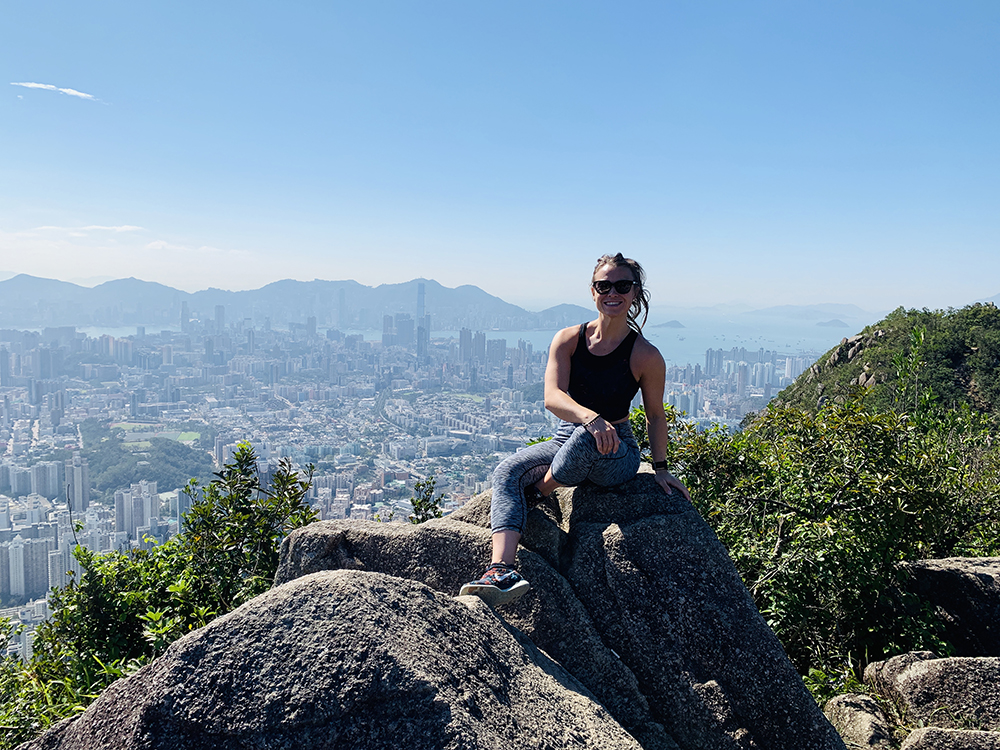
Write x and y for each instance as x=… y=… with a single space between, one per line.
x=954 y=703
x=344 y=660
x=965 y=593
x=632 y=594
x=860 y=721
x=933 y=738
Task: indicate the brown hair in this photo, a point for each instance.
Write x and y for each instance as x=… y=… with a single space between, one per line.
x=640 y=302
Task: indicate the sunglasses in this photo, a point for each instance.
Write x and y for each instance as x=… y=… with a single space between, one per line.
x=603 y=286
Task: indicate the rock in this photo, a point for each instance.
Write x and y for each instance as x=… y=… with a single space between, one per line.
x=445 y=554
x=933 y=738
x=881 y=675
x=632 y=593
x=958 y=692
x=860 y=721
x=965 y=593
x=346 y=659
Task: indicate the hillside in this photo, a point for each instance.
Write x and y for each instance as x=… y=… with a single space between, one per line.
x=29 y=302
x=957 y=357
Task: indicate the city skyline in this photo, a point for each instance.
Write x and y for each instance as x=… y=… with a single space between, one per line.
x=768 y=154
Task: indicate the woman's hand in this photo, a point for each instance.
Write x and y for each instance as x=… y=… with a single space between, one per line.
x=669 y=483
x=605 y=435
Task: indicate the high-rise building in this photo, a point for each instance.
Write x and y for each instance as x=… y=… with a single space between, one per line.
x=424 y=337
x=404 y=330
x=496 y=352
x=45 y=479
x=29 y=566
x=421 y=290
x=78 y=482
x=465 y=345
x=742 y=379
x=479 y=346
x=4 y=367
x=220 y=318
x=185 y=317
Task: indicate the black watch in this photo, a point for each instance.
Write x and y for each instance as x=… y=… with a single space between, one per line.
x=657 y=465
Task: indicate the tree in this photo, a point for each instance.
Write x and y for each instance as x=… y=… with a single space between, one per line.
x=129 y=606
x=425 y=505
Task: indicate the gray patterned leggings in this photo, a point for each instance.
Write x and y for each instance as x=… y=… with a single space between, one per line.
x=573 y=456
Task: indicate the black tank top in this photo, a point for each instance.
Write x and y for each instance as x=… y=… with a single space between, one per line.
x=603 y=383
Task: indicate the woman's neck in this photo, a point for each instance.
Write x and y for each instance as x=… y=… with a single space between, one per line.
x=606 y=328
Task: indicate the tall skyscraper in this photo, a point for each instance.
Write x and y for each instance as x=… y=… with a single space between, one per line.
x=78 y=482
x=465 y=345
x=421 y=290
x=4 y=367
x=220 y=318
x=479 y=347
x=185 y=317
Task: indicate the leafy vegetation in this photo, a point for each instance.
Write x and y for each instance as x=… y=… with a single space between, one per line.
x=425 y=505
x=958 y=352
x=128 y=607
x=168 y=463
x=818 y=508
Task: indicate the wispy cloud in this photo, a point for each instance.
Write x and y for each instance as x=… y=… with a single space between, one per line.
x=75 y=231
x=122 y=228
x=50 y=87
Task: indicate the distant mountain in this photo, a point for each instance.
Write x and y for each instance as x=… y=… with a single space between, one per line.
x=31 y=302
x=669 y=324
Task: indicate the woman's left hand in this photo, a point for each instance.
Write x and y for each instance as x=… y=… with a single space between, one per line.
x=669 y=483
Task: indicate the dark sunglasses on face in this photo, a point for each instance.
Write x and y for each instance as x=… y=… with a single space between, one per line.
x=603 y=286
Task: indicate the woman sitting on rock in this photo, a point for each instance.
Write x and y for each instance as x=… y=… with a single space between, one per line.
x=593 y=373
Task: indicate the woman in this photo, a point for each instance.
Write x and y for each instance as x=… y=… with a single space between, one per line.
x=594 y=371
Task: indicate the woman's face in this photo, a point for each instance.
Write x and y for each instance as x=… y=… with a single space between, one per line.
x=613 y=303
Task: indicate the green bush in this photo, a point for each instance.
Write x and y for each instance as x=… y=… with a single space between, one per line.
x=817 y=512
x=128 y=607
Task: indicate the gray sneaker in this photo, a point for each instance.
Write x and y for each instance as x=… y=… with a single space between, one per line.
x=500 y=584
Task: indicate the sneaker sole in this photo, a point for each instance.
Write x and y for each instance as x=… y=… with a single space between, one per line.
x=492 y=595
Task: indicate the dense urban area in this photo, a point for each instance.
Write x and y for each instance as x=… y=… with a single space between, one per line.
x=100 y=434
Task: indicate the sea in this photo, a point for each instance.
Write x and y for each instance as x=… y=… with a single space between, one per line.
x=682 y=339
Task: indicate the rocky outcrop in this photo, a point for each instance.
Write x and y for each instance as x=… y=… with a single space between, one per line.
x=860 y=721
x=965 y=594
x=347 y=659
x=933 y=738
x=935 y=704
x=953 y=693
x=631 y=592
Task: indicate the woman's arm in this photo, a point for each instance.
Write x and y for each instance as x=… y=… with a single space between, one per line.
x=557 y=398
x=652 y=374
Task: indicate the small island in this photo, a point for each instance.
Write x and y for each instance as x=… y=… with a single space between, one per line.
x=669 y=324
x=835 y=323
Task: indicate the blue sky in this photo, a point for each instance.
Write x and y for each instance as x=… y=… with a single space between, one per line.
x=765 y=152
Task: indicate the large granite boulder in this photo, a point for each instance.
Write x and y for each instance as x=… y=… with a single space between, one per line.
x=965 y=594
x=952 y=693
x=935 y=738
x=347 y=660
x=861 y=722
x=631 y=592
x=954 y=703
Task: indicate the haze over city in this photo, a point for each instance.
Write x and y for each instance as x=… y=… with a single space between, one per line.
x=770 y=153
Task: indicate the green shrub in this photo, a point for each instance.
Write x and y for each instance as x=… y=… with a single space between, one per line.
x=817 y=512
x=128 y=607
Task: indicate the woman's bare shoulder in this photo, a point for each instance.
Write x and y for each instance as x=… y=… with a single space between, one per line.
x=645 y=353
x=566 y=337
